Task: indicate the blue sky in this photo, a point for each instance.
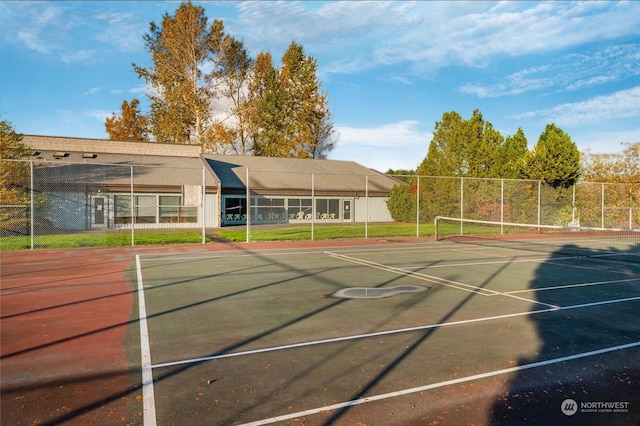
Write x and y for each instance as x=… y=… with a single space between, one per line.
x=391 y=69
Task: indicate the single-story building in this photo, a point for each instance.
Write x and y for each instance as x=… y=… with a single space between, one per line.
x=83 y=184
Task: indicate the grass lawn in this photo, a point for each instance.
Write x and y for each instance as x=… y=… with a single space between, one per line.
x=100 y=240
x=237 y=234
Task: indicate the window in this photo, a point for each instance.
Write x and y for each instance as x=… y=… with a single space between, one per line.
x=153 y=209
x=328 y=208
x=145 y=208
x=300 y=208
x=268 y=209
x=234 y=209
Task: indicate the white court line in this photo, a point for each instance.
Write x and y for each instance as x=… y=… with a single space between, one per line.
x=374 y=248
x=388 y=332
x=148 y=398
x=438 y=280
x=562 y=287
x=440 y=384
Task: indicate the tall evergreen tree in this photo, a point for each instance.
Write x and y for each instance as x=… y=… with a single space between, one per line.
x=511 y=157
x=462 y=147
x=555 y=158
x=293 y=114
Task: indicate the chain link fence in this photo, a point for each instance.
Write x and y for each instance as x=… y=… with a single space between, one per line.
x=44 y=204
x=604 y=205
x=59 y=204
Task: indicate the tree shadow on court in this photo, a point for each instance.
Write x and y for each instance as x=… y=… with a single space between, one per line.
x=421 y=338
x=73 y=413
x=587 y=368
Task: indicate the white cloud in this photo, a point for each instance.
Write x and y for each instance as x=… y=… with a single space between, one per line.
x=607 y=142
x=569 y=72
x=398 y=145
x=618 y=105
x=92 y=91
x=352 y=37
x=123 y=30
x=98 y=114
x=513 y=84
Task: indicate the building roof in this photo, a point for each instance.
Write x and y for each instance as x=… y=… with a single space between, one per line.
x=85 y=161
x=158 y=165
x=294 y=175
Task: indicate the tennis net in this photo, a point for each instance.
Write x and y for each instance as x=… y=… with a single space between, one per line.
x=608 y=243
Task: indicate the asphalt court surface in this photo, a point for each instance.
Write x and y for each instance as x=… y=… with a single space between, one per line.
x=255 y=337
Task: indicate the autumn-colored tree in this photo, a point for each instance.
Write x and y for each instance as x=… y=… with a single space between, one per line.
x=231 y=134
x=130 y=125
x=14 y=179
x=181 y=93
x=11 y=146
x=205 y=89
x=613 y=167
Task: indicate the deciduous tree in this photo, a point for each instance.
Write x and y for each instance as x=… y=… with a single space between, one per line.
x=130 y=125
x=14 y=179
x=181 y=47
x=232 y=75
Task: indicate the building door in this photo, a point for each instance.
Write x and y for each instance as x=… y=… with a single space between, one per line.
x=346 y=210
x=98 y=211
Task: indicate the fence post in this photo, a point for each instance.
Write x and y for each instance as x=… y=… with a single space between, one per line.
x=501 y=206
x=204 y=195
x=461 y=203
x=313 y=204
x=133 y=215
x=573 y=204
x=602 y=205
x=248 y=208
x=32 y=212
x=539 y=201
x=418 y=208
x=366 y=197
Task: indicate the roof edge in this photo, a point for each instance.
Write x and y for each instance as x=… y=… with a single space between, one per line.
x=61 y=143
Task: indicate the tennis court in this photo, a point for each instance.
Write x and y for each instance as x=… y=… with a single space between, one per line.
x=381 y=332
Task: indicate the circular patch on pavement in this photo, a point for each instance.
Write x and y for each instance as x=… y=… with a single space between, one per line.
x=376 y=292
